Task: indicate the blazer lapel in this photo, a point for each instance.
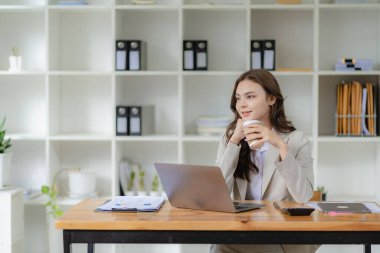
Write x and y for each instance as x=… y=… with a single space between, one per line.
x=270 y=157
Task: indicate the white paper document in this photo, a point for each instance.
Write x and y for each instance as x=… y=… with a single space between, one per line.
x=132 y=204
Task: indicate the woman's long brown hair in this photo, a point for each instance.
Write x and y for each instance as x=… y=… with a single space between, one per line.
x=277 y=117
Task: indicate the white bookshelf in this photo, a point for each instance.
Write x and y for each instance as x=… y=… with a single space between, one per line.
x=61 y=107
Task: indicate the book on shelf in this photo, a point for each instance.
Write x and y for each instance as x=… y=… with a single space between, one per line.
x=144 y=1
x=30 y=194
x=212 y=124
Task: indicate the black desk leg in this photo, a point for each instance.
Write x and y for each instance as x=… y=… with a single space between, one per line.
x=90 y=248
x=66 y=241
x=367 y=248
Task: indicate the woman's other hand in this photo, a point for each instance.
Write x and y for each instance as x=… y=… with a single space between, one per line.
x=238 y=134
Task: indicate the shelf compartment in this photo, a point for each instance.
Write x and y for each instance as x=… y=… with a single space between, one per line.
x=22 y=2
x=158 y=3
x=145 y=25
x=160 y=91
x=29 y=169
x=327 y=138
x=30 y=39
x=23 y=102
x=206 y=95
x=146 y=73
x=338 y=40
x=148 y=138
x=145 y=156
x=331 y=3
x=71 y=49
x=80 y=105
x=89 y=3
x=225 y=32
x=210 y=95
x=327 y=100
x=80 y=137
x=274 y=3
x=201 y=153
x=87 y=155
x=354 y=167
x=214 y=3
x=298 y=91
x=201 y=138
x=294 y=38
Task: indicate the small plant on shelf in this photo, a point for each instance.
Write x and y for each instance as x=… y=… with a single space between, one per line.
x=131 y=180
x=4 y=143
x=15 y=51
x=5 y=157
x=323 y=192
x=141 y=181
x=155 y=183
x=52 y=191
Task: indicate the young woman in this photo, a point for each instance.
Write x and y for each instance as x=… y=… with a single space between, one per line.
x=266 y=161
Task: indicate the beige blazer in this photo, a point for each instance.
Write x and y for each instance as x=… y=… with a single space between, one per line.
x=290 y=180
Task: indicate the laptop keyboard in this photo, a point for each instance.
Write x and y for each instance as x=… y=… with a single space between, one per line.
x=240 y=205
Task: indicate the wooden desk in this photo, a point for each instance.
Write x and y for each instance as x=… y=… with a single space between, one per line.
x=172 y=225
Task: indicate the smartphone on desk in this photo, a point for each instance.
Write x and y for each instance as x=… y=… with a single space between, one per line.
x=294 y=211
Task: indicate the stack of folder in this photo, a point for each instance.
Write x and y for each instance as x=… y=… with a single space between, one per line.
x=353 y=64
x=212 y=125
x=355 y=109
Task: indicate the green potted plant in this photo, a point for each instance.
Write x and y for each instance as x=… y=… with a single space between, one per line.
x=323 y=192
x=141 y=181
x=131 y=183
x=155 y=186
x=5 y=157
x=51 y=193
x=15 y=60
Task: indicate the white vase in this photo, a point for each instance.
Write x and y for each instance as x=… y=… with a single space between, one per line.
x=82 y=184
x=5 y=169
x=155 y=193
x=15 y=63
x=142 y=193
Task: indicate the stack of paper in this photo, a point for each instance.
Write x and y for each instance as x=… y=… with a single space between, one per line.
x=355 y=109
x=132 y=204
x=143 y=1
x=72 y=2
x=212 y=125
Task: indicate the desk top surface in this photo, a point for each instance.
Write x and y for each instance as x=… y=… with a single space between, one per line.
x=83 y=217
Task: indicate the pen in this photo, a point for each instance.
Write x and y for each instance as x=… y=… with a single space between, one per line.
x=277 y=206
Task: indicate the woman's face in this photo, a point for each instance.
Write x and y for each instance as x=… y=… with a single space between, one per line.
x=252 y=102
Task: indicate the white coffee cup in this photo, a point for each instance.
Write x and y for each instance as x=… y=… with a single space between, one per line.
x=252 y=143
x=251 y=121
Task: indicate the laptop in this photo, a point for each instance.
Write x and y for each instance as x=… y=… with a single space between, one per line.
x=198 y=187
x=343 y=207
